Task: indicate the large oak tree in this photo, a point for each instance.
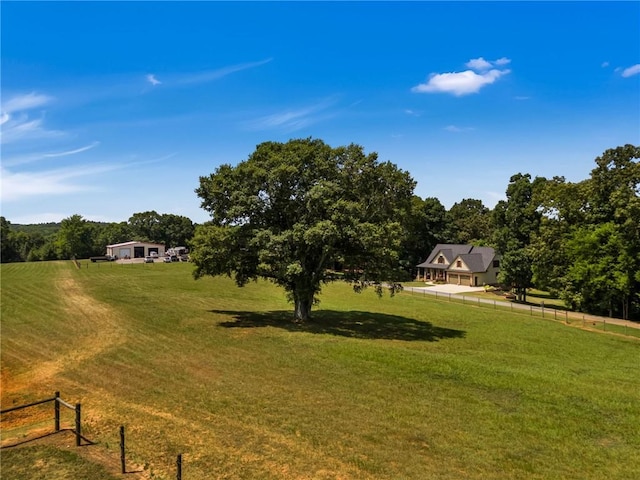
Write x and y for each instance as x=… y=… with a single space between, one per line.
x=294 y=211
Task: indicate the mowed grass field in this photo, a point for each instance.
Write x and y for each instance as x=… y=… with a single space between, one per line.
x=375 y=388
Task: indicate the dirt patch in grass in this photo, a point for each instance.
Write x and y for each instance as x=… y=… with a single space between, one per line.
x=56 y=456
x=98 y=329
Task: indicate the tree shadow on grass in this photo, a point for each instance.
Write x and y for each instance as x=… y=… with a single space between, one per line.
x=352 y=324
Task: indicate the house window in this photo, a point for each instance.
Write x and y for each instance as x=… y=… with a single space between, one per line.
x=440 y=259
x=459 y=263
x=496 y=263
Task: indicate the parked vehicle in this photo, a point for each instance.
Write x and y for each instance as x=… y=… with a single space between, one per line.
x=166 y=259
x=148 y=259
x=104 y=258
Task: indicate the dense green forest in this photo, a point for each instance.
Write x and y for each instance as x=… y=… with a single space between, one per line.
x=579 y=241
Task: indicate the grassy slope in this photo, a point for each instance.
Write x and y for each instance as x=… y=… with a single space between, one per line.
x=396 y=388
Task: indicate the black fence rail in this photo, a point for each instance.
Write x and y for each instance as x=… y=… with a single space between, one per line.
x=57 y=402
x=77 y=430
x=546 y=312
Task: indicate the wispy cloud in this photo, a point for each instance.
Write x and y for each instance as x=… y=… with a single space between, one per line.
x=15 y=160
x=466 y=82
x=71 y=152
x=193 y=78
x=153 y=80
x=22 y=128
x=633 y=70
x=412 y=113
x=522 y=97
x=23 y=102
x=456 y=129
x=18 y=125
x=295 y=119
x=20 y=185
x=604 y=64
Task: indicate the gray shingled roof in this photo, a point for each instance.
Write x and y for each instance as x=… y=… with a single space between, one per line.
x=478 y=259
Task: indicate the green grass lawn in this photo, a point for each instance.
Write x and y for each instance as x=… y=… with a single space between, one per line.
x=374 y=388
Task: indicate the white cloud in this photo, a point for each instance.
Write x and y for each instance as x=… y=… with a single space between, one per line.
x=633 y=70
x=502 y=61
x=459 y=83
x=153 y=80
x=413 y=113
x=481 y=65
x=469 y=81
x=522 y=97
x=478 y=64
x=604 y=64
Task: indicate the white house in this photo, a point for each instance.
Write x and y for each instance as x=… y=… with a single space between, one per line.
x=135 y=249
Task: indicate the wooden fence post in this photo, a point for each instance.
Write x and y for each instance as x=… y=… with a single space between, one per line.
x=56 y=411
x=122 y=450
x=78 y=424
x=179 y=467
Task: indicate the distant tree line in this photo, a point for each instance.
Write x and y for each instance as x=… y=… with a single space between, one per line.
x=80 y=238
x=579 y=241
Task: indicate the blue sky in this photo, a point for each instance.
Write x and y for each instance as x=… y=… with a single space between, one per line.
x=114 y=108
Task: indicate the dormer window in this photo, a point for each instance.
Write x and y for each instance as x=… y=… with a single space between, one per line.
x=459 y=263
x=440 y=259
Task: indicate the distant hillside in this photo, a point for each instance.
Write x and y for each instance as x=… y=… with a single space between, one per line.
x=43 y=228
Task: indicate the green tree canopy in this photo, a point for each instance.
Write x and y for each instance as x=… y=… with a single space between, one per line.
x=425 y=227
x=292 y=210
x=74 y=239
x=470 y=222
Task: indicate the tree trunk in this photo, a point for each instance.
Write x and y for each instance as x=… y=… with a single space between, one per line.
x=302 y=309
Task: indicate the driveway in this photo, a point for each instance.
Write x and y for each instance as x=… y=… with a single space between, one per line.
x=446 y=288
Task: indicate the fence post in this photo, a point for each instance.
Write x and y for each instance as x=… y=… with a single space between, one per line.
x=566 y=317
x=531 y=309
x=555 y=314
x=604 y=324
x=56 y=411
x=494 y=305
x=122 y=450
x=78 y=424
x=179 y=467
x=542 y=305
